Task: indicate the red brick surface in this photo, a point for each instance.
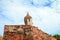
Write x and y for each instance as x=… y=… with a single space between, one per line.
x=25 y=32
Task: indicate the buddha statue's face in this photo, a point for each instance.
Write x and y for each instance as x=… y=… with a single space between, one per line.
x=28 y=19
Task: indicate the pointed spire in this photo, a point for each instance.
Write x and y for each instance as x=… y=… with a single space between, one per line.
x=27 y=13
x=28 y=16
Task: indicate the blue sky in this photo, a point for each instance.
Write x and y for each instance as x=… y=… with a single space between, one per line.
x=45 y=14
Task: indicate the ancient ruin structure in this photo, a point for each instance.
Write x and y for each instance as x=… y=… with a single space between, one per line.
x=0 y=37
x=25 y=32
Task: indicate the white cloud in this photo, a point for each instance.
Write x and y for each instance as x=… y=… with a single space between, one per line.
x=50 y=20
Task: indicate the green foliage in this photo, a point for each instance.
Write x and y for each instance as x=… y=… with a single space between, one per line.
x=57 y=36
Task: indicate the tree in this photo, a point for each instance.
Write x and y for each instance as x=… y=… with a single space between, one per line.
x=57 y=36
x=0 y=37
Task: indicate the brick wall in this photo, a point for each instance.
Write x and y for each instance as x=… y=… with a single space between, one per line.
x=25 y=32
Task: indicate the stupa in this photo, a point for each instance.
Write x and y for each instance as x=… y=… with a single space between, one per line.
x=25 y=32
